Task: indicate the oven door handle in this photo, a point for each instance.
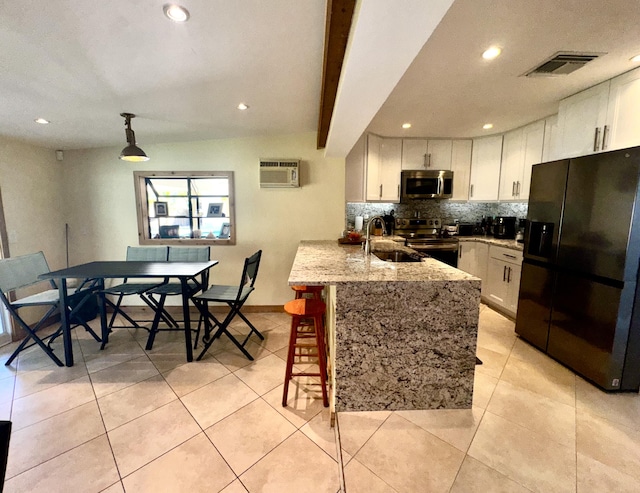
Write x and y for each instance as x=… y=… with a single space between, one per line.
x=442 y=248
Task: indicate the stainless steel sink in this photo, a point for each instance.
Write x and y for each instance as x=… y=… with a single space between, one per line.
x=397 y=256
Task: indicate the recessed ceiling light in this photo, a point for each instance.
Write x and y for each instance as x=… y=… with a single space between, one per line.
x=175 y=12
x=242 y=107
x=487 y=126
x=406 y=125
x=41 y=121
x=491 y=53
x=635 y=59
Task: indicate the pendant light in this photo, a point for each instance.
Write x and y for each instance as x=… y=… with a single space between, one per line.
x=132 y=152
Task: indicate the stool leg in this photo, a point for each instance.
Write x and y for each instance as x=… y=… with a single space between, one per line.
x=290 y=356
x=322 y=358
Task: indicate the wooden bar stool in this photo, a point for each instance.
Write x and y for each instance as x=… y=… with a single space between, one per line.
x=314 y=291
x=303 y=339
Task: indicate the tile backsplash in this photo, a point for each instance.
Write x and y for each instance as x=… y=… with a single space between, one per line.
x=448 y=211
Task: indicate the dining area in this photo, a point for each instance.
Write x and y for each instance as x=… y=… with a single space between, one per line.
x=124 y=416
x=146 y=273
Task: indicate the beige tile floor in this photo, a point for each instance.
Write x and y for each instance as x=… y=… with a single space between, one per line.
x=534 y=426
x=125 y=419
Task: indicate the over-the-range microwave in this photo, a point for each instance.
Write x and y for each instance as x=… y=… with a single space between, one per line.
x=426 y=184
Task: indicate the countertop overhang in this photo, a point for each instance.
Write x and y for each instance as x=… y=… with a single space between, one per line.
x=327 y=262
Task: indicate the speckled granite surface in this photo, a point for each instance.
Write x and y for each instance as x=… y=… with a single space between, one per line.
x=405 y=332
x=326 y=262
x=512 y=244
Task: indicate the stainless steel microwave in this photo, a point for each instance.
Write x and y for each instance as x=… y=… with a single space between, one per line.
x=426 y=184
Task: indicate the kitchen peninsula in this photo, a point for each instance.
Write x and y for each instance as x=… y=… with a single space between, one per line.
x=402 y=335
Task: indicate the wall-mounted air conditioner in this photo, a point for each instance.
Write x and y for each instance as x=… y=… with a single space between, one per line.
x=279 y=173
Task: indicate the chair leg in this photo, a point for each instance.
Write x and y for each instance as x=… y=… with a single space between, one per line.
x=156 y=321
x=253 y=329
x=290 y=356
x=322 y=358
x=31 y=334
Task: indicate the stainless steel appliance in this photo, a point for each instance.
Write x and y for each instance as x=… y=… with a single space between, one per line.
x=425 y=236
x=579 y=279
x=505 y=227
x=426 y=184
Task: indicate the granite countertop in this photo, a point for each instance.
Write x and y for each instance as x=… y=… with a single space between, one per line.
x=327 y=262
x=512 y=244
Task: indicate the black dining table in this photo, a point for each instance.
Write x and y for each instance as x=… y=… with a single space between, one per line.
x=97 y=272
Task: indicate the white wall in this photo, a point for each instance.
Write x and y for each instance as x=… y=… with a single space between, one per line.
x=99 y=192
x=34 y=203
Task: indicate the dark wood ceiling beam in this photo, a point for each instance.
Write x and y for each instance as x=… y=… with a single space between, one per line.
x=338 y=25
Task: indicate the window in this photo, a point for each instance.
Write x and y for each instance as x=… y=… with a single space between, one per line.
x=180 y=207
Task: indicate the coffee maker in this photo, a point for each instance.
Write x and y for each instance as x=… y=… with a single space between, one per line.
x=505 y=227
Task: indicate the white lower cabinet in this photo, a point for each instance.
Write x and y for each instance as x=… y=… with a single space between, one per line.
x=503 y=278
x=472 y=258
x=498 y=267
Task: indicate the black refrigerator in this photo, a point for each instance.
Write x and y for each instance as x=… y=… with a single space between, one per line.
x=579 y=281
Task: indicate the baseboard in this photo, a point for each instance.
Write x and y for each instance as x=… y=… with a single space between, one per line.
x=18 y=334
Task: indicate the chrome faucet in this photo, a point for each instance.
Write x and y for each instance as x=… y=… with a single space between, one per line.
x=367 y=243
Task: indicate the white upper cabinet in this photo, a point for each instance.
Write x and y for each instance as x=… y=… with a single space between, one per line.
x=551 y=145
x=461 y=167
x=485 y=168
x=383 y=169
x=512 y=164
x=622 y=128
x=533 y=149
x=426 y=154
x=581 y=119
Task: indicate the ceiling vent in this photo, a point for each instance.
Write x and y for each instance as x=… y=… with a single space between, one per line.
x=562 y=63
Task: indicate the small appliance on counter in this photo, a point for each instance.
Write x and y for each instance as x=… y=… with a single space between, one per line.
x=465 y=229
x=505 y=227
x=520 y=234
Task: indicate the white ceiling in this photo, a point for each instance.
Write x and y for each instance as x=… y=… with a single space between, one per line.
x=80 y=64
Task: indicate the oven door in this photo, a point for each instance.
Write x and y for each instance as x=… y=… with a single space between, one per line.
x=426 y=185
x=444 y=252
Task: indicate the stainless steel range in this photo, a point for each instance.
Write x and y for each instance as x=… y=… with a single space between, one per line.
x=425 y=236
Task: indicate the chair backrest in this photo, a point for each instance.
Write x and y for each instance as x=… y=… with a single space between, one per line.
x=189 y=254
x=18 y=272
x=148 y=254
x=250 y=271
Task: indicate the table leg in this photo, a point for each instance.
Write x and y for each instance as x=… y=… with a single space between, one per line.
x=186 y=318
x=102 y=308
x=64 y=321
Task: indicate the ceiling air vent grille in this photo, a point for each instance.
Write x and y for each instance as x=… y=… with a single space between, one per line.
x=562 y=63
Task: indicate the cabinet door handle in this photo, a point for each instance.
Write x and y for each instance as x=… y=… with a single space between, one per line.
x=509 y=275
x=424 y=160
x=504 y=273
x=605 y=132
x=513 y=189
x=380 y=190
x=460 y=253
x=429 y=160
x=596 y=140
x=518 y=189
x=471 y=194
x=398 y=190
x=510 y=256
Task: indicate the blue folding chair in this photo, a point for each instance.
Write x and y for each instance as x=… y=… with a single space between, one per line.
x=21 y=272
x=128 y=288
x=176 y=254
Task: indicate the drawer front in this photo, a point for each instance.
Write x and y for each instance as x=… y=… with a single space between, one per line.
x=505 y=254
